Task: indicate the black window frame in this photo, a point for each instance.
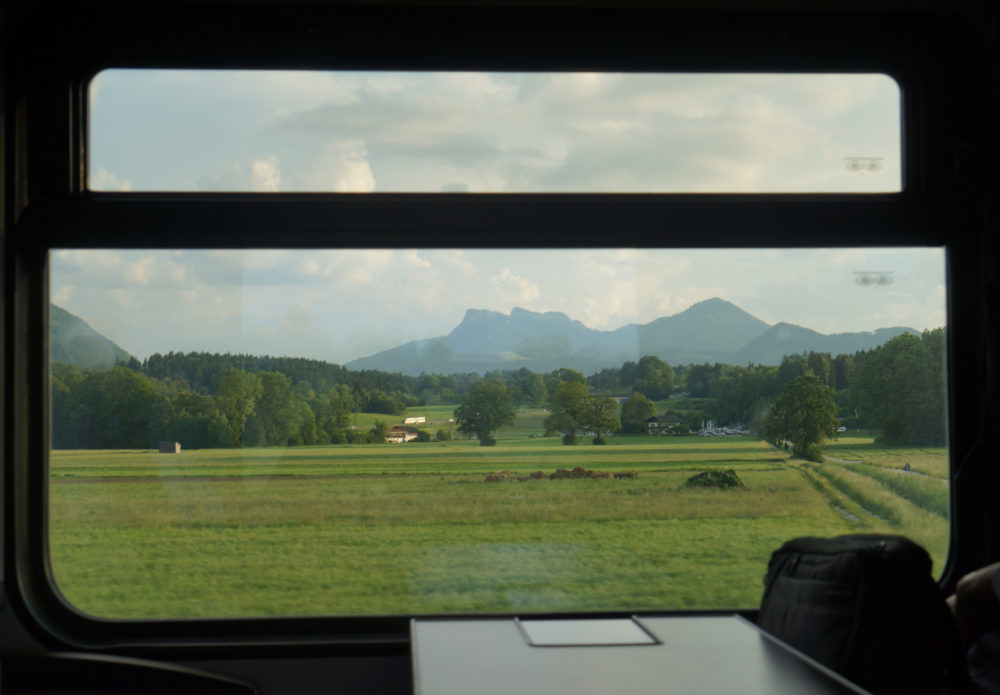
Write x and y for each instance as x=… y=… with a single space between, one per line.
x=948 y=115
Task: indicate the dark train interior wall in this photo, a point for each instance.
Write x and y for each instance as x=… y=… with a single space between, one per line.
x=945 y=55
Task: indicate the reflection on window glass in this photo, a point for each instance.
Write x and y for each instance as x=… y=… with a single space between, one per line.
x=247 y=433
x=177 y=130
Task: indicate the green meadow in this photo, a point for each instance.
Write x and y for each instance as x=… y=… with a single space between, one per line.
x=413 y=528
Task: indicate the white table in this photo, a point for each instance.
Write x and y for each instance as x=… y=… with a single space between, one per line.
x=695 y=654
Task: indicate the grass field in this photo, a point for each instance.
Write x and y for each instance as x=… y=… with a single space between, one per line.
x=400 y=529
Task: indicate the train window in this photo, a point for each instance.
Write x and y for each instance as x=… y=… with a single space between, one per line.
x=357 y=131
x=443 y=430
x=178 y=275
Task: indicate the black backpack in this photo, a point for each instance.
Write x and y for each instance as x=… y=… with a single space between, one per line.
x=866 y=607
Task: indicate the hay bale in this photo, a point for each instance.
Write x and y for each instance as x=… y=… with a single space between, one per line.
x=499 y=477
x=626 y=474
x=578 y=473
x=718 y=479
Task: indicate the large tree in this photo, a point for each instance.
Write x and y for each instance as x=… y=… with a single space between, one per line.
x=654 y=377
x=600 y=416
x=900 y=389
x=332 y=411
x=636 y=411
x=803 y=414
x=698 y=380
x=236 y=395
x=486 y=408
x=569 y=410
x=276 y=419
x=575 y=411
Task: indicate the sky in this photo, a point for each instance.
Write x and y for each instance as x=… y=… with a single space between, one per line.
x=457 y=132
x=337 y=305
x=492 y=132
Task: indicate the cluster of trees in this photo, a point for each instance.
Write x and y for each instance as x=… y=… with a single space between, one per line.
x=636 y=412
x=212 y=400
x=576 y=411
x=490 y=406
x=123 y=408
x=900 y=387
x=373 y=391
x=650 y=376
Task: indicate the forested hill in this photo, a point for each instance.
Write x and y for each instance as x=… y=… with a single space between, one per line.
x=201 y=371
x=784 y=339
x=216 y=400
x=72 y=341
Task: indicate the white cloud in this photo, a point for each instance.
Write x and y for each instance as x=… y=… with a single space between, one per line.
x=609 y=310
x=351 y=268
x=140 y=272
x=62 y=295
x=290 y=88
x=342 y=167
x=103 y=180
x=453 y=259
x=513 y=288
x=87 y=259
x=583 y=83
x=348 y=131
x=310 y=266
x=126 y=300
x=265 y=175
x=411 y=258
x=609 y=125
x=669 y=305
x=266 y=259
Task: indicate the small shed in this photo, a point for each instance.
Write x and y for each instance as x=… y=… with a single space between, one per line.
x=170 y=447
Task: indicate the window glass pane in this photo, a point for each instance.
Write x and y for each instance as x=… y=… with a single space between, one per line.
x=246 y=433
x=177 y=130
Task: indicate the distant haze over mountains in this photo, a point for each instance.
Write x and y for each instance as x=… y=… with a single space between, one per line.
x=710 y=331
x=72 y=341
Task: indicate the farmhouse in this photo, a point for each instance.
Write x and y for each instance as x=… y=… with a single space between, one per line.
x=662 y=422
x=401 y=434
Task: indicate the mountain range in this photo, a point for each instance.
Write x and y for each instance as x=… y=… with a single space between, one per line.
x=710 y=331
x=72 y=341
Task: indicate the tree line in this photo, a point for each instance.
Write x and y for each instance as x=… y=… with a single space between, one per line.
x=898 y=389
x=222 y=400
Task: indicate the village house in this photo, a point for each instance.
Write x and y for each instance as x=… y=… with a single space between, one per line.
x=660 y=423
x=401 y=434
